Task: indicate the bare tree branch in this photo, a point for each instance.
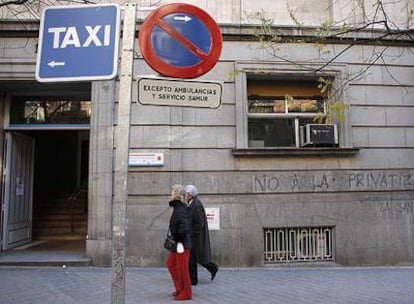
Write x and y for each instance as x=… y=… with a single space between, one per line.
x=379 y=32
x=12 y=2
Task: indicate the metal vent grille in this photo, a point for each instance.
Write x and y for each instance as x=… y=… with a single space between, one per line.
x=298 y=244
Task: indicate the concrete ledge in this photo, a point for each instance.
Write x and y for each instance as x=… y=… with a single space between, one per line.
x=294 y=152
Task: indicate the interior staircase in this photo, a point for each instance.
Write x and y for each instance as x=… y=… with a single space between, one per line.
x=61 y=219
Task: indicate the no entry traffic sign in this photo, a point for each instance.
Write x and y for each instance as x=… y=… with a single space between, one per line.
x=180 y=40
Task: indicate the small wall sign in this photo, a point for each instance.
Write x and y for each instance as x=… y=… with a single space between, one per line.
x=213 y=218
x=146 y=159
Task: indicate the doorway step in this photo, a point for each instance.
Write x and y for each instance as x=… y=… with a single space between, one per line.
x=61 y=253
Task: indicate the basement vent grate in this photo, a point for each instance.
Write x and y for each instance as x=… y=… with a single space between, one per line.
x=298 y=244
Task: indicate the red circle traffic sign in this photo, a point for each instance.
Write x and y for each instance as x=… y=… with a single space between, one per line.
x=180 y=40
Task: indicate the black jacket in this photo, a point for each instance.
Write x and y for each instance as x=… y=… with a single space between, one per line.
x=180 y=224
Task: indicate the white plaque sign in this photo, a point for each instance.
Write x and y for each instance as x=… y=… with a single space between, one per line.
x=213 y=218
x=146 y=159
x=179 y=92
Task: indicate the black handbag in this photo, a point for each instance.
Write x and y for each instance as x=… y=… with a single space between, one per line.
x=169 y=242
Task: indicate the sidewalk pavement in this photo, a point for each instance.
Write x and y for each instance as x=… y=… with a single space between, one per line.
x=284 y=285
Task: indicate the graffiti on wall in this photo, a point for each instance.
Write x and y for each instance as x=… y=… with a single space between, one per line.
x=381 y=180
x=318 y=181
x=396 y=208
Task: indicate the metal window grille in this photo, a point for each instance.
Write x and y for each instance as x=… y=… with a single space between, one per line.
x=298 y=244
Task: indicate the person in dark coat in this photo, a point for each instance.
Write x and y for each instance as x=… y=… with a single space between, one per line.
x=177 y=261
x=200 y=251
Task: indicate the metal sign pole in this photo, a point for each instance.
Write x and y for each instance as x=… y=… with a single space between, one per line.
x=119 y=207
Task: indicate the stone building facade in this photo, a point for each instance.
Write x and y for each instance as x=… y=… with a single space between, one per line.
x=272 y=197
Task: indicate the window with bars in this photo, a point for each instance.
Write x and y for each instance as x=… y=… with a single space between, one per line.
x=298 y=244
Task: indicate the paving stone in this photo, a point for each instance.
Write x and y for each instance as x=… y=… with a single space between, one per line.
x=299 y=285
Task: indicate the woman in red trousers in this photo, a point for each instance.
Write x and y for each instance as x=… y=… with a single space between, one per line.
x=177 y=262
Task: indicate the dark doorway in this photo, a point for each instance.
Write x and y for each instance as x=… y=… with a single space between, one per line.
x=60 y=184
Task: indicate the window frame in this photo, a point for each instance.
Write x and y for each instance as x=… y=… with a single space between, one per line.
x=294 y=116
x=283 y=71
x=9 y=126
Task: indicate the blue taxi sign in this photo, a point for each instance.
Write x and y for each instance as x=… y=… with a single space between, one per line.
x=78 y=43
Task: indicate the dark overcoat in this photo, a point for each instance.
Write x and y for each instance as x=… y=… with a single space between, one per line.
x=199 y=231
x=180 y=223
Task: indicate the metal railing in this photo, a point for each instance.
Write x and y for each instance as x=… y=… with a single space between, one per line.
x=298 y=244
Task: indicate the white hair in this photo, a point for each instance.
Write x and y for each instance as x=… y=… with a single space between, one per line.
x=192 y=190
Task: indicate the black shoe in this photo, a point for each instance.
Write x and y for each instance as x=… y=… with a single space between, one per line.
x=193 y=283
x=214 y=272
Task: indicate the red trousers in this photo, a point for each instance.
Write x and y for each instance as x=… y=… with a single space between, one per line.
x=177 y=264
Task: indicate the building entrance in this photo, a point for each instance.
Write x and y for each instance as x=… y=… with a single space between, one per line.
x=46 y=186
x=45 y=159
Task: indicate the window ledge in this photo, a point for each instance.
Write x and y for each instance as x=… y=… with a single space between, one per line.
x=296 y=152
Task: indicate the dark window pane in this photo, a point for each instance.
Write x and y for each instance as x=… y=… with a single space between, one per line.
x=47 y=111
x=271 y=133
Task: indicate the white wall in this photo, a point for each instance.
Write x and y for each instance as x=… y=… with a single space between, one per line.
x=305 y=12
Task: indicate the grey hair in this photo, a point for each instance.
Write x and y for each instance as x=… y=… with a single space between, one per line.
x=192 y=190
x=179 y=192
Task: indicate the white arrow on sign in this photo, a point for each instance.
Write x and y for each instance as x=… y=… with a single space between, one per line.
x=182 y=18
x=52 y=64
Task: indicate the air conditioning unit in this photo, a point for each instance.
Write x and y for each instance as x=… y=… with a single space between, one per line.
x=319 y=135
